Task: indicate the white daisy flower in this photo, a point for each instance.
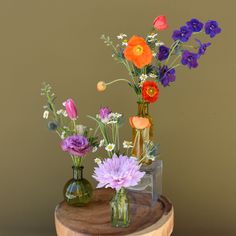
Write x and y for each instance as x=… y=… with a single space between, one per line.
x=45 y=114
x=151 y=75
x=121 y=36
x=97 y=160
x=63 y=134
x=127 y=144
x=94 y=149
x=143 y=77
x=101 y=143
x=110 y=147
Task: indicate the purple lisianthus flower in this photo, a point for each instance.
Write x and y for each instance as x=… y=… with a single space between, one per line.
x=166 y=75
x=104 y=114
x=163 y=53
x=183 y=34
x=118 y=172
x=212 y=28
x=76 y=145
x=190 y=59
x=202 y=47
x=195 y=25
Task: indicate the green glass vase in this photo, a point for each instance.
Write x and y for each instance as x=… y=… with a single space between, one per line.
x=120 y=209
x=78 y=190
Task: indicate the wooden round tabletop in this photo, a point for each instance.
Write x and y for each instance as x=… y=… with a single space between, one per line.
x=94 y=219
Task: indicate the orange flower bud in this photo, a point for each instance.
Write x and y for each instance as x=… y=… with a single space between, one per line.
x=101 y=86
x=139 y=122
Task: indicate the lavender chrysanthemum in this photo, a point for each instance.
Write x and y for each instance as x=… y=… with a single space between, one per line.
x=118 y=172
x=104 y=114
x=76 y=145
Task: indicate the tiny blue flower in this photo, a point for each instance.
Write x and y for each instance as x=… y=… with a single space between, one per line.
x=183 y=34
x=195 y=25
x=212 y=28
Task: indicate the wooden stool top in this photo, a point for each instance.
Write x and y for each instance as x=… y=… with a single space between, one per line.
x=94 y=218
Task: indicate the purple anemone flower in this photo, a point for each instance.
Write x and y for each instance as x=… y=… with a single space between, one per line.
x=202 y=47
x=118 y=172
x=212 y=28
x=190 y=59
x=76 y=145
x=104 y=114
x=163 y=53
x=183 y=34
x=195 y=25
x=166 y=75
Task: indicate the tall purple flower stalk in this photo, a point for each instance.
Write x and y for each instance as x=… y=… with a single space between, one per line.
x=118 y=172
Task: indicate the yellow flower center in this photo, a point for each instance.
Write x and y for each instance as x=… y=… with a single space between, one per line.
x=151 y=92
x=138 y=50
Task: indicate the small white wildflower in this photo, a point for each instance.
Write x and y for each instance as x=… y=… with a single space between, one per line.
x=127 y=144
x=152 y=36
x=113 y=55
x=125 y=43
x=141 y=84
x=117 y=115
x=94 y=149
x=143 y=77
x=45 y=114
x=159 y=43
x=151 y=75
x=64 y=103
x=63 y=134
x=121 y=36
x=110 y=147
x=59 y=112
x=97 y=160
x=101 y=143
x=64 y=113
x=154 y=54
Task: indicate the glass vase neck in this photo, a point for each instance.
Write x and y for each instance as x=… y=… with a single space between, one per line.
x=77 y=172
x=143 y=108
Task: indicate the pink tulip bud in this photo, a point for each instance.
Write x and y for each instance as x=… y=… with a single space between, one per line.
x=71 y=109
x=160 y=23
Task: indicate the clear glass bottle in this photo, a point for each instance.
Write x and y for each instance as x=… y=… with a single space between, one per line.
x=120 y=209
x=144 y=135
x=78 y=190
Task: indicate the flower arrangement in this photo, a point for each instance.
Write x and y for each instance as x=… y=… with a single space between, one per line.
x=150 y=62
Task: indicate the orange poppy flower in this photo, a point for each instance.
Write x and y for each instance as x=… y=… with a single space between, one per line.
x=139 y=122
x=138 y=52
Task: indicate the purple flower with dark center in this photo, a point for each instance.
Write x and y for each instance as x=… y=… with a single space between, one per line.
x=183 y=34
x=166 y=75
x=104 y=114
x=202 y=47
x=118 y=172
x=190 y=59
x=163 y=53
x=212 y=28
x=76 y=145
x=195 y=25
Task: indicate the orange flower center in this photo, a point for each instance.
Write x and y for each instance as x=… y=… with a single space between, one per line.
x=138 y=50
x=151 y=91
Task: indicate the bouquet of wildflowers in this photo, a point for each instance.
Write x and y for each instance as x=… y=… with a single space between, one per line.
x=76 y=139
x=150 y=62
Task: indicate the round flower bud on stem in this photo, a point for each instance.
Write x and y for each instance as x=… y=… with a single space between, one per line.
x=101 y=86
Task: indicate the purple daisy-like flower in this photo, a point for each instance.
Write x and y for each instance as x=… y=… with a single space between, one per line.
x=212 y=28
x=195 y=25
x=190 y=59
x=118 y=172
x=183 y=34
x=104 y=114
x=166 y=75
x=202 y=47
x=76 y=145
x=163 y=53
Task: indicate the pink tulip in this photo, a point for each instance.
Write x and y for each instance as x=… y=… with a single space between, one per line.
x=71 y=109
x=160 y=23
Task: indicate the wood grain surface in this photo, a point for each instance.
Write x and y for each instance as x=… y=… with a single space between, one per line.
x=94 y=218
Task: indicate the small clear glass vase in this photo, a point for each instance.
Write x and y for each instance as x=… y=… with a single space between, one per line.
x=78 y=190
x=120 y=209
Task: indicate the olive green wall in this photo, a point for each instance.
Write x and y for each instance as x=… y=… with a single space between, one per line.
x=58 y=41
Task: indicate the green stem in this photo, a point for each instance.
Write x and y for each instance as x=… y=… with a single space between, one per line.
x=117 y=80
x=173 y=62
